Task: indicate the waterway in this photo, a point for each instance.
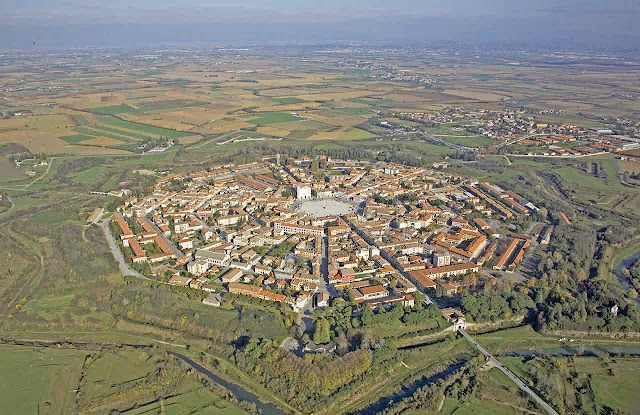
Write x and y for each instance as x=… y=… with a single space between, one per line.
x=388 y=401
x=237 y=391
x=624 y=282
x=577 y=350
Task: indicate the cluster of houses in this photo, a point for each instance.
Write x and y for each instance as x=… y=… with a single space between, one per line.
x=596 y=142
x=239 y=227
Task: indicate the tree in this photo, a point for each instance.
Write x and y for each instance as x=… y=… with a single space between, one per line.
x=367 y=316
x=321 y=334
x=543 y=213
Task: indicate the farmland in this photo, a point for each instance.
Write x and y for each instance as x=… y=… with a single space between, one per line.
x=71 y=380
x=62 y=283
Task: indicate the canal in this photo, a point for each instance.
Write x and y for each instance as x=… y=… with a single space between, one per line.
x=237 y=391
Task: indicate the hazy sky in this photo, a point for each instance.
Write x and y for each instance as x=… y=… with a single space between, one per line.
x=62 y=23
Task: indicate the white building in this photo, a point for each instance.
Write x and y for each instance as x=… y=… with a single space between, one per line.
x=198 y=267
x=441 y=259
x=303 y=192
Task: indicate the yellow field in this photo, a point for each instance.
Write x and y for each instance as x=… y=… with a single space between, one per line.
x=14 y=123
x=630 y=166
x=163 y=122
x=342 y=134
x=481 y=96
x=226 y=124
x=36 y=142
x=273 y=131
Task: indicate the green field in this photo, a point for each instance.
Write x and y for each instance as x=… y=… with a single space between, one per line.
x=110 y=372
x=473 y=141
x=113 y=109
x=93 y=133
x=267 y=118
x=142 y=128
x=76 y=138
x=611 y=382
x=80 y=119
x=49 y=216
x=376 y=102
x=88 y=175
x=353 y=111
x=39 y=378
x=288 y=100
x=190 y=398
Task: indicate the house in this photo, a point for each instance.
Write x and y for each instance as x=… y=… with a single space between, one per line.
x=262 y=269
x=372 y=291
x=219 y=259
x=322 y=299
x=212 y=300
x=198 y=283
x=232 y=275
x=179 y=281
x=198 y=267
x=209 y=288
x=450 y=288
x=319 y=348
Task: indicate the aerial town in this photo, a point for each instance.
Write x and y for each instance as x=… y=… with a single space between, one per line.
x=315 y=231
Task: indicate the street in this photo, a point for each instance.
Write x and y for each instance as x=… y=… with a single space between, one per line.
x=509 y=374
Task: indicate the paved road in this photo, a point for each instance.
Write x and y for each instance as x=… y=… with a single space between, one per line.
x=177 y=252
x=510 y=374
x=115 y=250
x=357 y=230
x=445 y=142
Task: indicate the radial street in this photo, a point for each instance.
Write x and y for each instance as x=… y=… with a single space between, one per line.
x=510 y=374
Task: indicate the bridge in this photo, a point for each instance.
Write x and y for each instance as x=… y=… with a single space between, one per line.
x=509 y=374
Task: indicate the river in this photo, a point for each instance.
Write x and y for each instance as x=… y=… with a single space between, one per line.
x=237 y=391
x=624 y=282
x=388 y=401
x=577 y=350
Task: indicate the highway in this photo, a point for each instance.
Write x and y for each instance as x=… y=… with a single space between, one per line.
x=510 y=374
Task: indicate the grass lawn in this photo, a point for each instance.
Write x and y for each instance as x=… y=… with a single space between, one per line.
x=612 y=382
x=50 y=216
x=623 y=253
x=355 y=134
x=468 y=141
x=26 y=202
x=615 y=385
x=395 y=330
x=190 y=398
x=88 y=175
x=111 y=371
x=474 y=406
x=33 y=377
